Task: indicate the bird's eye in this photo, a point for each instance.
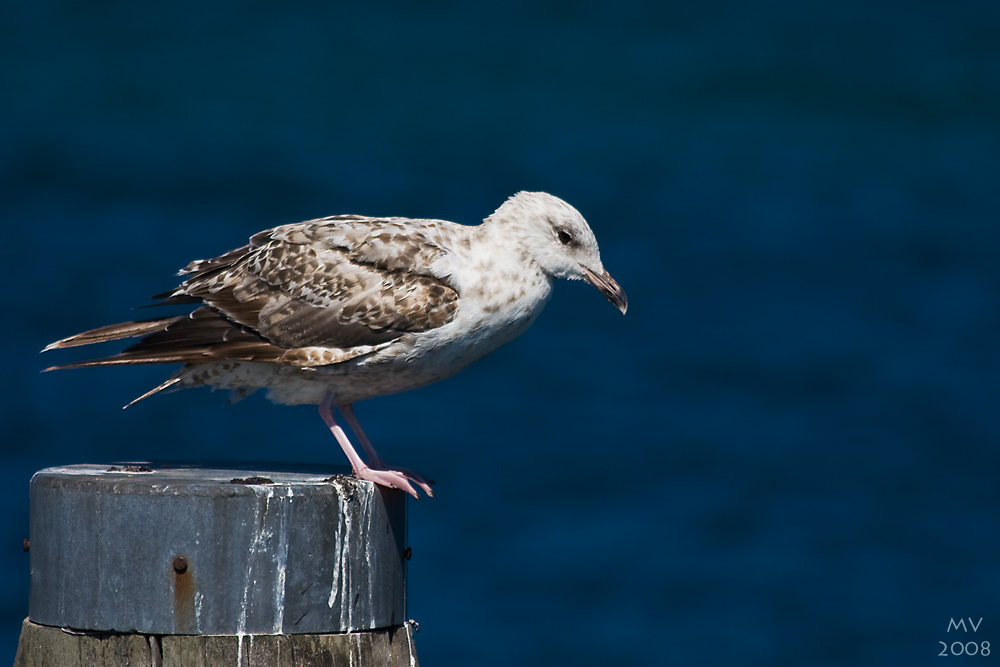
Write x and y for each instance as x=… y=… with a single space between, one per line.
x=565 y=237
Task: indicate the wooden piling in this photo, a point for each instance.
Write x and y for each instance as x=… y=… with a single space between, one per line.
x=45 y=646
x=206 y=565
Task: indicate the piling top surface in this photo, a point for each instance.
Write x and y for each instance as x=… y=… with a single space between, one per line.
x=215 y=548
x=201 y=473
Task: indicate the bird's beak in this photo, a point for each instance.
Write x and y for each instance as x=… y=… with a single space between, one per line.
x=608 y=287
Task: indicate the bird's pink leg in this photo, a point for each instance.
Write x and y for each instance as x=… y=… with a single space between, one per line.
x=396 y=479
x=376 y=461
x=348 y=411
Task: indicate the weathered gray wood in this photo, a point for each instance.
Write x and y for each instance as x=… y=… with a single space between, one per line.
x=44 y=646
x=160 y=549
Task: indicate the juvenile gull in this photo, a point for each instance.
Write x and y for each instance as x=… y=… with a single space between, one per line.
x=336 y=310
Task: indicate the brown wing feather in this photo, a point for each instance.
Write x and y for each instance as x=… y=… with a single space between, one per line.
x=333 y=283
x=296 y=291
x=113 y=332
x=203 y=336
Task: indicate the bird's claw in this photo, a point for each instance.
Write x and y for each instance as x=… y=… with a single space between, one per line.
x=396 y=479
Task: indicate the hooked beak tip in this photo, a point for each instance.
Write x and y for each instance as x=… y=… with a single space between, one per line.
x=608 y=287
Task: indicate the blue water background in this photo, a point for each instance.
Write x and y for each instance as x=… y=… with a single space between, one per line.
x=785 y=454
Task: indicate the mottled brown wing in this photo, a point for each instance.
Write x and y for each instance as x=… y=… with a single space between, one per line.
x=295 y=290
x=318 y=292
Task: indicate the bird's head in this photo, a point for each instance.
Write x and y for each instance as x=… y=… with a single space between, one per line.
x=559 y=241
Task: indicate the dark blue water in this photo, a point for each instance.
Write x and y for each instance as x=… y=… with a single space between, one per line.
x=785 y=454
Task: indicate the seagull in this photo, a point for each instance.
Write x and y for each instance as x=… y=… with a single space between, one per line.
x=341 y=309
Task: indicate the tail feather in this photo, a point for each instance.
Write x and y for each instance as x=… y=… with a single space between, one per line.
x=120 y=360
x=169 y=382
x=114 y=332
x=202 y=336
